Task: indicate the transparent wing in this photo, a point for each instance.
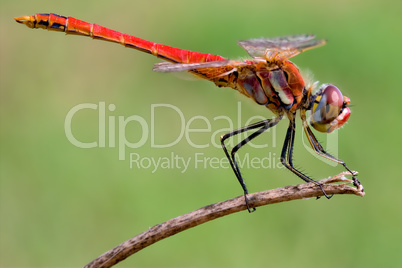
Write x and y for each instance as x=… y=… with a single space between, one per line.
x=166 y=67
x=280 y=48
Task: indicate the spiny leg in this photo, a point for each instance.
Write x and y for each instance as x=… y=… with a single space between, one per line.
x=317 y=147
x=262 y=126
x=233 y=163
x=287 y=155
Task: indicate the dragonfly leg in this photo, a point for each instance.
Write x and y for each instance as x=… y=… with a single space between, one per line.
x=317 y=147
x=287 y=156
x=261 y=126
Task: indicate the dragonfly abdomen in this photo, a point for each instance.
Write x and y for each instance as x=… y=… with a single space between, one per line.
x=70 y=25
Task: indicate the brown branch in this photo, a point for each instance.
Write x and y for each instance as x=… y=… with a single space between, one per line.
x=211 y=212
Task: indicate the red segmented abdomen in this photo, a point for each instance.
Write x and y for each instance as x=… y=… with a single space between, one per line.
x=70 y=25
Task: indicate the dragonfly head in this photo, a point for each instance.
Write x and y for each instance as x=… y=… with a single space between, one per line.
x=329 y=109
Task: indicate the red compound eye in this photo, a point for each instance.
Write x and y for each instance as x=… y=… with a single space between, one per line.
x=328 y=105
x=333 y=97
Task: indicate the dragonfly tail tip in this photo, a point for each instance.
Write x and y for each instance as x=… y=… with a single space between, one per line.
x=27 y=20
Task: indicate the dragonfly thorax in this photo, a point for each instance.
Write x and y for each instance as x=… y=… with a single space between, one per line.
x=279 y=87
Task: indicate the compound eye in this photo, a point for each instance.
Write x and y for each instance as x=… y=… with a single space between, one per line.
x=327 y=107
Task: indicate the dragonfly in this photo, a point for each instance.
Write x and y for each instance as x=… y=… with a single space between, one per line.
x=269 y=79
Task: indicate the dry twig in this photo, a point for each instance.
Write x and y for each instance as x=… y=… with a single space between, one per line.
x=211 y=212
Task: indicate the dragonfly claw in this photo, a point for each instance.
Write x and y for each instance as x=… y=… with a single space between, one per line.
x=323 y=191
x=250 y=210
x=357 y=183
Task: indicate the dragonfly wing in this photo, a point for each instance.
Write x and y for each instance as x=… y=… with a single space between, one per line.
x=166 y=67
x=280 y=48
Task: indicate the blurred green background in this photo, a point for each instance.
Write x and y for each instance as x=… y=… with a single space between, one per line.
x=62 y=206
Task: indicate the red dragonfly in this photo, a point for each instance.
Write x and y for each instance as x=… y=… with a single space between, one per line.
x=270 y=79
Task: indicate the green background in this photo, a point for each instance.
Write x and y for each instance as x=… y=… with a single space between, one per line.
x=62 y=206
